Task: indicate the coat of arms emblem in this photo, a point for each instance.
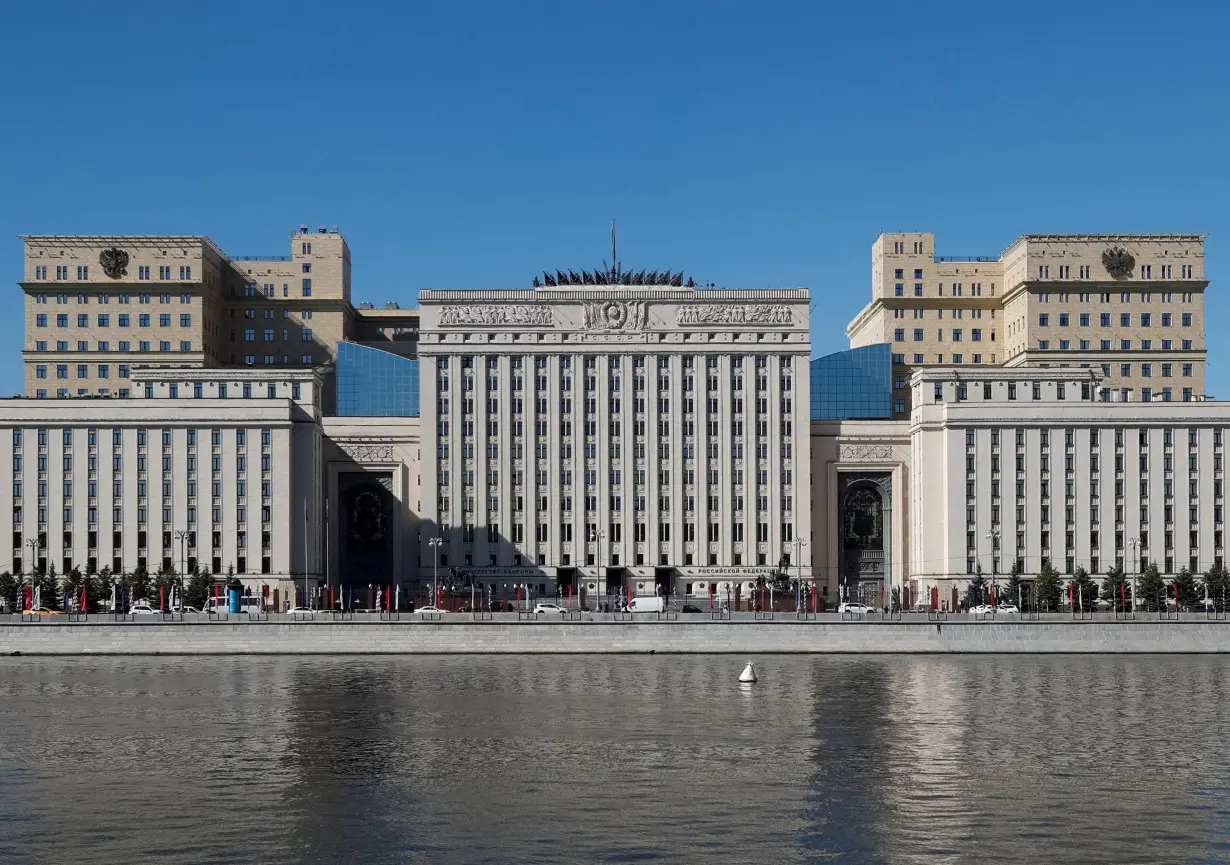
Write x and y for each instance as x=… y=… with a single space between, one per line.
x=1118 y=262
x=114 y=262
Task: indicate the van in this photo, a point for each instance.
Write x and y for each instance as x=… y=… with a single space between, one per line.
x=219 y=605
x=648 y=604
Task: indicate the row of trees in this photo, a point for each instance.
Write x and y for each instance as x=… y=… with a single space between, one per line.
x=1050 y=590
x=138 y=584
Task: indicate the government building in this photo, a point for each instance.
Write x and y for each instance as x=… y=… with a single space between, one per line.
x=614 y=431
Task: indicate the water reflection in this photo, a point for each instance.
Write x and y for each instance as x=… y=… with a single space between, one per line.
x=566 y=759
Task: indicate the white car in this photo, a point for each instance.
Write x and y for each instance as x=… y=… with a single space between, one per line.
x=142 y=609
x=851 y=607
x=1008 y=610
x=300 y=610
x=548 y=608
x=429 y=609
x=982 y=610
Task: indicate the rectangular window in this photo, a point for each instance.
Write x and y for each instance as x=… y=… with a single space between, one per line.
x=307 y=288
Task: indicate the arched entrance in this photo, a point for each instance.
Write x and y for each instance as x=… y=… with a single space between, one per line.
x=866 y=537
x=366 y=529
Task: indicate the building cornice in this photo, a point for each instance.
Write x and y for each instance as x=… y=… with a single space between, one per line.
x=1103 y=238
x=141 y=241
x=621 y=292
x=1094 y=286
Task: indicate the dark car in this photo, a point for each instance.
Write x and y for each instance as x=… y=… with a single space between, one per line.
x=690 y=608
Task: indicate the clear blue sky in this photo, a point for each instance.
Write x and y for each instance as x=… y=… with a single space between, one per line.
x=753 y=144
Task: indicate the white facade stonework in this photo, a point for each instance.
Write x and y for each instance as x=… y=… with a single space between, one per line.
x=228 y=459
x=649 y=437
x=654 y=438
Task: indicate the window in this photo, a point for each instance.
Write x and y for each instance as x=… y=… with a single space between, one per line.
x=307 y=287
x=1044 y=319
x=307 y=334
x=1187 y=319
x=899 y=334
x=918 y=334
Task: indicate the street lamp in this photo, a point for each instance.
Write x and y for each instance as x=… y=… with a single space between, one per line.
x=599 y=536
x=181 y=535
x=32 y=543
x=1134 y=543
x=993 y=537
x=799 y=543
x=435 y=568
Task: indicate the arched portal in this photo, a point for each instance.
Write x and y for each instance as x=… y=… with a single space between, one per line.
x=866 y=537
x=366 y=529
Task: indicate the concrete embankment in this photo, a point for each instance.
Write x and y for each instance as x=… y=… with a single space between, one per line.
x=458 y=634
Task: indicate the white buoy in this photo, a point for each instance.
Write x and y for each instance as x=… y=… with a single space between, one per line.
x=748 y=676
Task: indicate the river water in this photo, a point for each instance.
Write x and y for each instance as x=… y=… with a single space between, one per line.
x=614 y=759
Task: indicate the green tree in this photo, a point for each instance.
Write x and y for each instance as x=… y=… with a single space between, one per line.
x=1217 y=585
x=8 y=592
x=48 y=582
x=1015 y=591
x=1048 y=586
x=1115 y=589
x=1084 y=591
x=98 y=589
x=976 y=589
x=1184 y=586
x=197 y=591
x=138 y=583
x=1150 y=588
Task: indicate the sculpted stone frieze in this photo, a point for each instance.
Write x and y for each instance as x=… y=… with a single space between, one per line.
x=865 y=452
x=734 y=313
x=615 y=315
x=534 y=315
x=367 y=452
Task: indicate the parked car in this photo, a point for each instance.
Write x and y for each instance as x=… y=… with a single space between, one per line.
x=854 y=607
x=549 y=608
x=1200 y=606
x=140 y=608
x=429 y=609
x=690 y=608
x=981 y=610
x=1008 y=610
x=41 y=611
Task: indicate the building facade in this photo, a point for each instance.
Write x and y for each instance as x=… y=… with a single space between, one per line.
x=611 y=431
x=1128 y=305
x=633 y=437
x=196 y=470
x=98 y=306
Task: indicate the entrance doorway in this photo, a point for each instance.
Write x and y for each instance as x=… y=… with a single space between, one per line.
x=664 y=581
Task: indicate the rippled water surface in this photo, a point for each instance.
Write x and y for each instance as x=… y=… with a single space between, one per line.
x=610 y=759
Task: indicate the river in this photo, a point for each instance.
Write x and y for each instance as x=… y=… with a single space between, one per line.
x=477 y=759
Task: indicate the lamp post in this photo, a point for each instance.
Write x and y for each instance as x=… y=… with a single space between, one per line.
x=799 y=543
x=993 y=537
x=435 y=567
x=32 y=543
x=1134 y=543
x=181 y=535
x=598 y=537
